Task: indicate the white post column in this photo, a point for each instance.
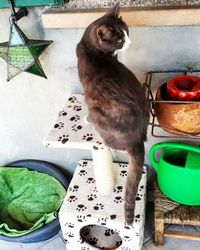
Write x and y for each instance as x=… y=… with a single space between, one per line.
x=103 y=170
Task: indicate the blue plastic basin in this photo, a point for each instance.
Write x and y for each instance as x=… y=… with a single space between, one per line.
x=52 y=228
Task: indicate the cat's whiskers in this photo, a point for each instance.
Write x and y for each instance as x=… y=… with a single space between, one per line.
x=126 y=45
x=127 y=41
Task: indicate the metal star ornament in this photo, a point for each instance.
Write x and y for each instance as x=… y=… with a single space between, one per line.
x=21 y=53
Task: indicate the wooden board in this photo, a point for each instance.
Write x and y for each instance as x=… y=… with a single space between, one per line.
x=160 y=17
x=182 y=235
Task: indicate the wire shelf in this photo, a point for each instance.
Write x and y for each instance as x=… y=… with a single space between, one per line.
x=156 y=129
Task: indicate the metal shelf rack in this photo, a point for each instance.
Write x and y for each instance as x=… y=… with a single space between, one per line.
x=156 y=129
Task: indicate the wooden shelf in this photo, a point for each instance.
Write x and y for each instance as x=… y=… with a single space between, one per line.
x=133 y=17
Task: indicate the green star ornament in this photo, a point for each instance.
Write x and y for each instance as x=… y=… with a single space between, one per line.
x=21 y=54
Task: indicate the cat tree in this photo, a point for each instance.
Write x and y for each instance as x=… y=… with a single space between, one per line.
x=92 y=214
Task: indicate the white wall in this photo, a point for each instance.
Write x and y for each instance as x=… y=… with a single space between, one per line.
x=29 y=104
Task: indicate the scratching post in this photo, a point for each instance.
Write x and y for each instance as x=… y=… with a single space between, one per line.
x=103 y=172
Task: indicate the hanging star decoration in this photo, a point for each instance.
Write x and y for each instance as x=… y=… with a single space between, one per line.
x=21 y=53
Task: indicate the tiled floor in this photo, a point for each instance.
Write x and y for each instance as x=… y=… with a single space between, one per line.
x=57 y=242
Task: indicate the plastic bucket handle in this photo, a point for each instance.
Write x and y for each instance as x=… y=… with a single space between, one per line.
x=163 y=145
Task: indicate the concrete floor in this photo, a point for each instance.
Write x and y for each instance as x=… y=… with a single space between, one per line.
x=57 y=242
x=176 y=244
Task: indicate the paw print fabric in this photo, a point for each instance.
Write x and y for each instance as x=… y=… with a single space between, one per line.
x=70 y=130
x=84 y=206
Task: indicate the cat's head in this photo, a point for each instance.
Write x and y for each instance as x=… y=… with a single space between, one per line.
x=110 y=33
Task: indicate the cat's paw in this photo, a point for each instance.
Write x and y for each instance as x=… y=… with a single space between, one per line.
x=81 y=208
x=76 y=127
x=118 y=189
x=69 y=234
x=69 y=224
x=126 y=248
x=91 y=197
x=72 y=99
x=99 y=142
x=123 y=165
x=82 y=172
x=88 y=137
x=75 y=118
x=83 y=164
x=93 y=241
x=98 y=206
x=90 y=180
x=77 y=108
x=102 y=221
x=141 y=187
x=123 y=173
x=118 y=199
x=81 y=218
x=127 y=226
x=59 y=125
x=113 y=216
x=108 y=232
x=63 y=139
x=138 y=197
x=72 y=198
x=126 y=238
x=74 y=188
x=137 y=218
x=62 y=113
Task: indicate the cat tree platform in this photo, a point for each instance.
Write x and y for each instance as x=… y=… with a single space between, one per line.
x=71 y=130
x=90 y=220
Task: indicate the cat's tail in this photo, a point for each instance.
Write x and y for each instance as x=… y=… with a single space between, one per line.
x=136 y=160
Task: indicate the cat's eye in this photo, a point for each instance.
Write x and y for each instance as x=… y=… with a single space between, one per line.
x=120 y=40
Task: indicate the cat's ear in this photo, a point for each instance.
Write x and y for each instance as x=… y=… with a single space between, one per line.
x=114 y=11
x=104 y=33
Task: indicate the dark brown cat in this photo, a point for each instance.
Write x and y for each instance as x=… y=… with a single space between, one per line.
x=115 y=99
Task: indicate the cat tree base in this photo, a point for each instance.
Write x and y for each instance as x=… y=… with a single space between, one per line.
x=90 y=220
